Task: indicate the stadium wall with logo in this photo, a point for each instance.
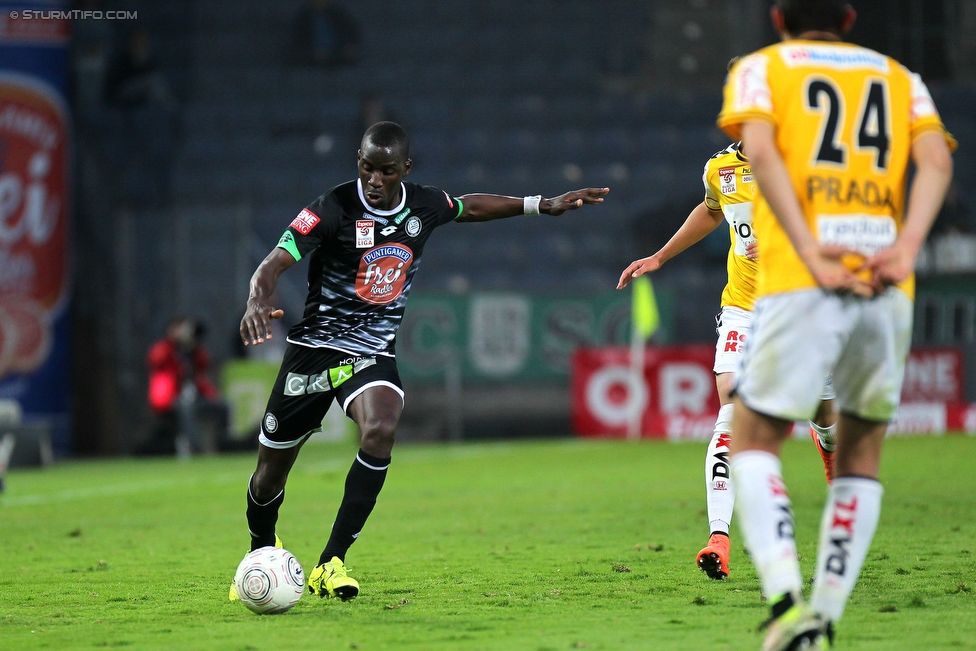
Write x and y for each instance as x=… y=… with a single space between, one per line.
x=35 y=166
x=511 y=337
x=677 y=398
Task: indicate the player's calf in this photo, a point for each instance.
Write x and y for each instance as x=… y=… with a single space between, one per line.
x=719 y=498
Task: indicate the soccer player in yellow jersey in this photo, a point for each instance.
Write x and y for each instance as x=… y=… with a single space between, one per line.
x=729 y=189
x=830 y=128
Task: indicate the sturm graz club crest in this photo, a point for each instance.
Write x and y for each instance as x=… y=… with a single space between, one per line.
x=413 y=226
x=270 y=423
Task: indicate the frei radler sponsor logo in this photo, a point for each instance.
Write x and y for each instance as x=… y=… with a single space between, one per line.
x=383 y=273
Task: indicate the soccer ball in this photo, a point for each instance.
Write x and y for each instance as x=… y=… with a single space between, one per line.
x=269 y=580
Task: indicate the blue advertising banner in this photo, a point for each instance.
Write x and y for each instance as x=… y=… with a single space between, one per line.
x=35 y=164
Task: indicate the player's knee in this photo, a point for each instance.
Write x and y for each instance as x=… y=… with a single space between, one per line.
x=267 y=482
x=724 y=383
x=378 y=434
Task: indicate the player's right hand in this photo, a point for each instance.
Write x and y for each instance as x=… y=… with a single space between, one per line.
x=256 y=324
x=638 y=268
x=752 y=250
x=828 y=269
x=572 y=200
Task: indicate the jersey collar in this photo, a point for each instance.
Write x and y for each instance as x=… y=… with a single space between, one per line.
x=382 y=213
x=737 y=148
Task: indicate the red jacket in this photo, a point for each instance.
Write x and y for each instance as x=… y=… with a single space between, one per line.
x=167 y=373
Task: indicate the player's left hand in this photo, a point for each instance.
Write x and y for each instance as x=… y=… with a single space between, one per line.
x=827 y=266
x=889 y=266
x=572 y=200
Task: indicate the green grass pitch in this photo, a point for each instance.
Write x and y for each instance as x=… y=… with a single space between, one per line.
x=537 y=546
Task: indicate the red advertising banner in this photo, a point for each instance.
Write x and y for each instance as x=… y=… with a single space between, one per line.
x=33 y=220
x=678 y=398
x=35 y=165
x=934 y=418
x=933 y=375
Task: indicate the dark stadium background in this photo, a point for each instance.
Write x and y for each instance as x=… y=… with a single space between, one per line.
x=175 y=204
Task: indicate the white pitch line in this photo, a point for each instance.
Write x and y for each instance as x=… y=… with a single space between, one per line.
x=409 y=457
x=75 y=494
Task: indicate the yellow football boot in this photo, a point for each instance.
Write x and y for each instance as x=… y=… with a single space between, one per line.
x=330 y=579
x=798 y=628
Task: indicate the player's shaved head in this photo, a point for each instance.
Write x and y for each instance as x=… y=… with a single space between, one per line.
x=814 y=15
x=387 y=135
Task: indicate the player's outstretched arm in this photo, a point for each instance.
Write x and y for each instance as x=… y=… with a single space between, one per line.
x=824 y=262
x=256 y=324
x=699 y=223
x=934 y=172
x=486 y=207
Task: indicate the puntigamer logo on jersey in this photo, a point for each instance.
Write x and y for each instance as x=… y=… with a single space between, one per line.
x=383 y=273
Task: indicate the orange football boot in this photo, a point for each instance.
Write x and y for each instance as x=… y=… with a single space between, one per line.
x=714 y=559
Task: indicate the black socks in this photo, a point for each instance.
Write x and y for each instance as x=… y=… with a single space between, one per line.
x=363 y=484
x=261 y=519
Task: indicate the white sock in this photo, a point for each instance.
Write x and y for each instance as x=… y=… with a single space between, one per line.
x=719 y=496
x=826 y=435
x=849 y=520
x=766 y=520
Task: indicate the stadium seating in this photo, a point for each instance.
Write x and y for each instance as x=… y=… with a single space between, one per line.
x=507 y=96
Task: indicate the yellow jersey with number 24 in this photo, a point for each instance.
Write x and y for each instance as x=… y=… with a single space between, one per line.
x=845 y=120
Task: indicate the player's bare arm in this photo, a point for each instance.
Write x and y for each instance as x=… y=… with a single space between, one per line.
x=823 y=261
x=934 y=172
x=699 y=223
x=486 y=207
x=256 y=324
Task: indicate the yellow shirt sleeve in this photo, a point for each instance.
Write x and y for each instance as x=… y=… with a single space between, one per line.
x=711 y=198
x=747 y=95
x=924 y=116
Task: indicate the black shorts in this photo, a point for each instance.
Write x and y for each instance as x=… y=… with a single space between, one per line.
x=308 y=381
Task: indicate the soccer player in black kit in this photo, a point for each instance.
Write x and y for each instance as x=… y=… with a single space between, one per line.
x=364 y=239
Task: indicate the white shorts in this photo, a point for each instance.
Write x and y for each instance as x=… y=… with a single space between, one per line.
x=800 y=337
x=732 y=325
